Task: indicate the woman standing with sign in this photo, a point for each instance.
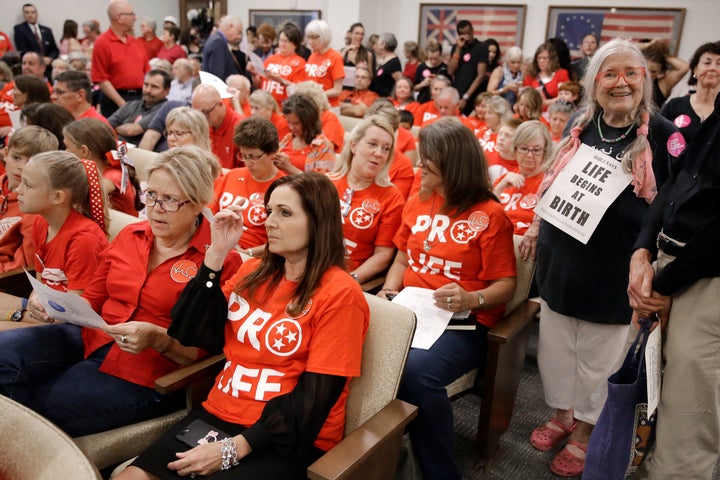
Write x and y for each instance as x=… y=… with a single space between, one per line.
x=585 y=309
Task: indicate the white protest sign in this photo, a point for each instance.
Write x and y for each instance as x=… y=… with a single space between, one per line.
x=653 y=367
x=582 y=192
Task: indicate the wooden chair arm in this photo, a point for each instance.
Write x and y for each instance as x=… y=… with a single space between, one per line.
x=14 y=282
x=369 y=450
x=374 y=284
x=189 y=374
x=514 y=322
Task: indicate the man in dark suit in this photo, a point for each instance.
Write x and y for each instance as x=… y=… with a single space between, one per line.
x=30 y=36
x=217 y=58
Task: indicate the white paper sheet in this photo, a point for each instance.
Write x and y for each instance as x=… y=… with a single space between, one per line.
x=431 y=320
x=653 y=366
x=16 y=118
x=65 y=306
x=257 y=63
x=219 y=84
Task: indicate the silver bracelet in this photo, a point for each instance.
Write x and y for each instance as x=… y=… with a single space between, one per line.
x=229 y=453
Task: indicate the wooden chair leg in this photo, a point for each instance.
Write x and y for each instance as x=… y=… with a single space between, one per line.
x=505 y=362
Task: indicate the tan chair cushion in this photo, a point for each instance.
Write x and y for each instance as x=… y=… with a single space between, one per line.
x=118 y=221
x=33 y=448
x=384 y=352
x=114 y=446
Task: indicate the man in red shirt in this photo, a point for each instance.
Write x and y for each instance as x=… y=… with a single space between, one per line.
x=222 y=121
x=119 y=62
x=448 y=105
x=73 y=92
x=354 y=102
x=150 y=42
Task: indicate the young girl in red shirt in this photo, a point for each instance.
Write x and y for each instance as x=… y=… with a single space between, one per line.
x=70 y=230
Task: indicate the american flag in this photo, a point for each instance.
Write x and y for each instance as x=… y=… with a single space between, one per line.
x=572 y=27
x=503 y=24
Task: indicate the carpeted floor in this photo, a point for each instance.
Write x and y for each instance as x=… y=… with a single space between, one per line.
x=517 y=459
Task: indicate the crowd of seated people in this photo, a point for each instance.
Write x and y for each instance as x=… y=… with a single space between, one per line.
x=403 y=152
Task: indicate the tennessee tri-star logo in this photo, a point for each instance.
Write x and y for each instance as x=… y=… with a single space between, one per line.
x=284 y=337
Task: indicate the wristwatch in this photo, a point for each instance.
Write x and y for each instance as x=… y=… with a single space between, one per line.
x=354 y=276
x=465 y=96
x=481 y=300
x=17 y=315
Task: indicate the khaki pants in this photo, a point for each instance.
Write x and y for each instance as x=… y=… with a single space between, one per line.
x=688 y=433
x=575 y=359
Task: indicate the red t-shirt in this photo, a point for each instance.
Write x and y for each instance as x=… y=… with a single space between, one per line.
x=171 y=54
x=124 y=64
x=371 y=220
x=426 y=112
x=125 y=202
x=411 y=107
x=551 y=87
x=69 y=260
x=5 y=43
x=239 y=183
x=123 y=290
x=477 y=126
x=280 y=124
x=488 y=140
x=17 y=248
x=333 y=130
x=319 y=156
x=7 y=104
x=93 y=113
x=325 y=69
x=401 y=173
x=355 y=97
x=291 y=68
x=152 y=47
x=471 y=249
x=404 y=141
x=221 y=139
x=499 y=166
x=520 y=203
x=267 y=350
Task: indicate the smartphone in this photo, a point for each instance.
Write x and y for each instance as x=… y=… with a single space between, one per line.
x=390 y=296
x=199 y=432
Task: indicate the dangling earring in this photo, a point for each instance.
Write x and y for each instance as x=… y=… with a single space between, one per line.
x=197 y=222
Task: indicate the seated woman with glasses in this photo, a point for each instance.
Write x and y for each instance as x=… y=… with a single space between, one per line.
x=257 y=143
x=517 y=189
x=371 y=206
x=305 y=148
x=89 y=380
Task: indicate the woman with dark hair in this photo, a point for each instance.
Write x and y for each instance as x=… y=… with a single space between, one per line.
x=30 y=89
x=388 y=68
x=545 y=74
x=356 y=53
x=296 y=318
x=689 y=111
x=305 y=148
x=69 y=42
x=285 y=67
x=456 y=240
x=92 y=139
x=583 y=285
x=494 y=61
x=665 y=70
x=49 y=116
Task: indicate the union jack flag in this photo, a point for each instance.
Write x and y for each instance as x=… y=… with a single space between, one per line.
x=504 y=24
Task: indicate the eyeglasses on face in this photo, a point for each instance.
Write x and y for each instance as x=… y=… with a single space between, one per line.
x=523 y=150
x=610 y=78
x=208 y=112
x=169 y=204
x=176 y=133
x=249 y=156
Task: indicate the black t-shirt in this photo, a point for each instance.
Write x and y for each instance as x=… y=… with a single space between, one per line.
x=384 y=82
x=590 y=281
x=680 y=112
x=422 y=72
x=470 y=55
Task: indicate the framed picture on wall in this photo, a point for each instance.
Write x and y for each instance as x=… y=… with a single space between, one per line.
x=278 y=18
x=640 y=24
x=504 y=23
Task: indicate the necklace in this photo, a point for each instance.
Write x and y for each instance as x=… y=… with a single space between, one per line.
x=614 y=140
x=426 y=243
